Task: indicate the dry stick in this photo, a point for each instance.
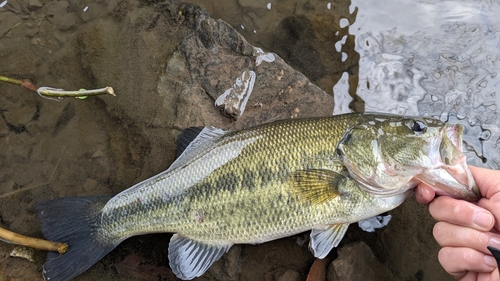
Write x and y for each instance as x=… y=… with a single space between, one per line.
x=9 y=236
x=51 y=92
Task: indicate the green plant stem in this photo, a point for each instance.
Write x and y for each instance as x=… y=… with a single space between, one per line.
x=58 y=93
x=10 y=80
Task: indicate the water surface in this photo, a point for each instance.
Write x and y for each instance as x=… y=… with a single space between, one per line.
x=425 y=58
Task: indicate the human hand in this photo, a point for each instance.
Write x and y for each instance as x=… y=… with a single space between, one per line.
x=465 y=229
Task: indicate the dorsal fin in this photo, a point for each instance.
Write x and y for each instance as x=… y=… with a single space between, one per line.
x=203 y=140
x=204 y=145
x=186 y=137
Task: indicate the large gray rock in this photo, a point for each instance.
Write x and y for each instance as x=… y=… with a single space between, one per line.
x=179 y=61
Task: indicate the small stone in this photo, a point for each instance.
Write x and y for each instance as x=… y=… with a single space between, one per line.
x=32 y=32
x=34 y=4
x=19 y=116
x=32 y=128
x=23 y=252
x=8 y=186
x=98 y=154
x=90 y=187
x=14 y=6
x=290 y=275
x=68 y=21
x=94 y=10
x=43 y=32
x=58 y=9
x=228 y=267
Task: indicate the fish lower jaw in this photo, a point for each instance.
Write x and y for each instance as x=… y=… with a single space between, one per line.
x=378 y=191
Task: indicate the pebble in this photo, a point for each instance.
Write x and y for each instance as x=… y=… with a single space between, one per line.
x=19 y=116
x=94 y=10
x=32 y=128
x=34 y=4
x=14 y=6
x=23 y=252
x=290 y=275
x=58 y=9
x=31 y=32
x=98 y=154
x=68 y=21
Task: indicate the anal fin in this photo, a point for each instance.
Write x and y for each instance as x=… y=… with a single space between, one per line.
x=189 y=258
x=324 y=239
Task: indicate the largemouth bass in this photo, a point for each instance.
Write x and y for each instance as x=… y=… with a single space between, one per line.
x=261 y=184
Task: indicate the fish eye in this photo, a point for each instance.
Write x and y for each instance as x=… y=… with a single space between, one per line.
x=418 y=126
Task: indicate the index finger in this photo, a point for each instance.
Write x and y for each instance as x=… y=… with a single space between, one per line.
x=461 y=213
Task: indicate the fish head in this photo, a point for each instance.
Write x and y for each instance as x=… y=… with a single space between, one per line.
x=389 y=155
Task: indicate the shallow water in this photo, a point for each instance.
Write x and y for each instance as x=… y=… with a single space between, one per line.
x=426 y=58
x=440 y=59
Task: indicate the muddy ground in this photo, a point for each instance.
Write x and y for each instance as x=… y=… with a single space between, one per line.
x=51 y=149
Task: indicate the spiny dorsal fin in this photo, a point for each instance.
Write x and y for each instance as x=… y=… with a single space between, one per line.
x=317 y=185
x=186 y=137
x=325 y=238
x=189 y=258
x=202 y=141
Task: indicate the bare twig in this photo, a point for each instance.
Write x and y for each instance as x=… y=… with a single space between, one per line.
x=51 y=92
x=57 y=94
x=12 y=237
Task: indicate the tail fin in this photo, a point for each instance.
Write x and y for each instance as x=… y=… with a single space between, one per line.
x=75 y=221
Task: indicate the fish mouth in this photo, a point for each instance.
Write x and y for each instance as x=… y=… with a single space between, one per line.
x=450 y=174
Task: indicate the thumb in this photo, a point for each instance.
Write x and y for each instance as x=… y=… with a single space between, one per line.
x=487 y=180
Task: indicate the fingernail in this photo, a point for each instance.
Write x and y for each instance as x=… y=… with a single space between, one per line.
x=483 y=219
x=490 y=261
x=494 y=242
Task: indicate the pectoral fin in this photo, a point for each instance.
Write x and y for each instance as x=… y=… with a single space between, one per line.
x=317 y=185
x=324 y=239
x=189 y=258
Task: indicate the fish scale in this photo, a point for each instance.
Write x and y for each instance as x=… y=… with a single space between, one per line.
x=257 y=185
x=221 y=192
